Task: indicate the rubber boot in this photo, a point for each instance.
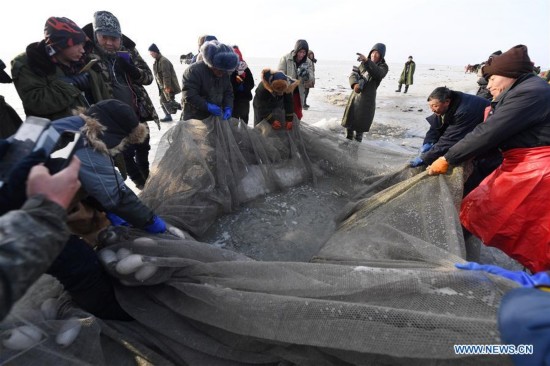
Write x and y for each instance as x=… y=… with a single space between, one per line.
x=359 y=136
x=349 y=134
x=406 y=88
x=399 y=89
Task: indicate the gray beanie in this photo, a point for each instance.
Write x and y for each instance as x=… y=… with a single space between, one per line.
x=106 y=24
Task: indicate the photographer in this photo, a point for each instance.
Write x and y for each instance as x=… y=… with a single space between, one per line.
x=32 y=236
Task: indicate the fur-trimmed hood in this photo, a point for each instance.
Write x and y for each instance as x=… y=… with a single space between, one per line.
x=110 y=125
x=277 y=82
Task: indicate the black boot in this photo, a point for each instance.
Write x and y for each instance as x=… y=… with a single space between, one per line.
x=406 y=88
x=349 y=134
x=399 y=89
x=359 y=136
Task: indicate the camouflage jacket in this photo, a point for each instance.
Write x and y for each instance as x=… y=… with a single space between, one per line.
x=143 y=104
x=30 y=240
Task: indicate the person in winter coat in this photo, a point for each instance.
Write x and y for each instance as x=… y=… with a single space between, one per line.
x=125 y=73
x=407 y=75
x=508 y=210
x=9 y=119
x=242 y=82
x=273 y=99
x=364 y=80
x=202 y=39
x=455 y=114
x=52 y=76
x=298 y=66
x=482 y=90
x=311 y=82
x=32 y=236
x=206 y=87
x=167 y=82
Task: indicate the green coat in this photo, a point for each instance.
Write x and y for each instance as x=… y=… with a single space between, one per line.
x=407 y=77
x=43 y=93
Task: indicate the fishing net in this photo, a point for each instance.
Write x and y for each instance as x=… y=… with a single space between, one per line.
x=298 y=248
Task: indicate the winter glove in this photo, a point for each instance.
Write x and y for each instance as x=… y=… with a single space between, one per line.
x=116 y=220
x=276 y=125
x=158 y=226
x=81 y=81
x=227 y=113
x=302 y=72
x=214 y=109
x=426 y=147
x=439 y=166
x=288 y=125
x=128 y=67
x=357 y=88
x=524 y=279
x=416 y=162
x=13 y=191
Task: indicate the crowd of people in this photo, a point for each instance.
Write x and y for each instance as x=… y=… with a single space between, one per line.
x=92 y=80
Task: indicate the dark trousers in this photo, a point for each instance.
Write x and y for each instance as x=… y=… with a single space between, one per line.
x=136 y=159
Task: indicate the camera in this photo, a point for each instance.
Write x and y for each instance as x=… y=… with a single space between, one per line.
x=34 y=134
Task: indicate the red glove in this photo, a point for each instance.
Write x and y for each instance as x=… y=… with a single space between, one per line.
x=439 y=166
x=288 y=125
x=276 y=125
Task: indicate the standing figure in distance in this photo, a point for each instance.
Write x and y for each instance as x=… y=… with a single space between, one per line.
x=243 y=83
x=407 y=75
x=364 y=81
x=167 y=82
x=311 y=82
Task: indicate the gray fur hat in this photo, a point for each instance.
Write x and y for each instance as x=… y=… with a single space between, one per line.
x=106 y=24
x=219 y=56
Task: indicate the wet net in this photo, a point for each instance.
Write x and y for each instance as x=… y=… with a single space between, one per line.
x=298 y=248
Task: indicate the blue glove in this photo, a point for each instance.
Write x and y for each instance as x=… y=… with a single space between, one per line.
x=13 y=193
x=227 y=112
x=214 y=109
x=416 y=162
x=116 y=220
x=158 y=226
x=426 y=147
x=524 y=279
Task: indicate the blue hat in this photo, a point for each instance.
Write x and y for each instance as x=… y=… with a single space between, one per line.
x=219 y=56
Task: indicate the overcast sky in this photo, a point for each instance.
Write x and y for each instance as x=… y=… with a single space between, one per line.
x=439 y=32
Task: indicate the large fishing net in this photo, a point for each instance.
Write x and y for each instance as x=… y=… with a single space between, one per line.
x=297 y=248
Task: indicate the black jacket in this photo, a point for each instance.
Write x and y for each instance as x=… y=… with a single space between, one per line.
x=265 y=103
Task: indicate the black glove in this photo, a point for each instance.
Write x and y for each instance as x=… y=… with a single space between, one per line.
x=13 y=191
x=128 y=67
x=81 y=81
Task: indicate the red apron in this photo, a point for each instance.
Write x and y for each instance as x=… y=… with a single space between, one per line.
x=509 y=210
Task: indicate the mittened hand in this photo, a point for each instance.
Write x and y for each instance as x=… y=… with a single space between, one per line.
x=288 y=125
x=426 y=147
x=357 y=88
x=158 y=226
x=416 y=162
x=116 y=220
x=524 y=279
x=128 y=67
x=276 y=125
x=439 y=166
x=214 y=109
x=227 y=113
x=81 y=81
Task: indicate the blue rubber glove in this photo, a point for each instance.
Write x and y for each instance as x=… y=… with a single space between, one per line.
x=227 y=112
x=214 y=109
x=416 y=162
x=116 y=220
x=426 y=147
x=158 y=226
x=524 y=279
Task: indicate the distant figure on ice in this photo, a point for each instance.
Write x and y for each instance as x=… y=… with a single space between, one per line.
x=297 y=66
x=167 y=82
x=407 y=75
x=9 y=119
x=242 y=82
x=273 y=100
x=126 y=73
x=311 y=82
x=364 y=81
x=481 y=81
x=206 y=87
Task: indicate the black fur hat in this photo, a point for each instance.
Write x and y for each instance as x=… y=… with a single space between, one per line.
x=219 y=56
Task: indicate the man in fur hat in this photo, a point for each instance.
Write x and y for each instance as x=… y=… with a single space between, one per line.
x=273 y=99
x=206 y=87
